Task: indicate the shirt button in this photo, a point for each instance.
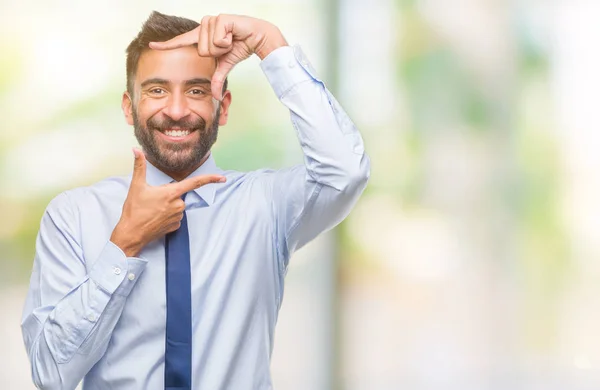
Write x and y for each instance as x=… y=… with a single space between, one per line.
x=117 y=271
x=291 y=64
x=131 y=276
x=92 y=317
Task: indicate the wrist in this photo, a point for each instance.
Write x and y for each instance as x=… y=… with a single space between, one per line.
x=271 y=41
x=127 y=242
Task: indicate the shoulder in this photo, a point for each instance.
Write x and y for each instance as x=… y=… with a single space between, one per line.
x=71 y=202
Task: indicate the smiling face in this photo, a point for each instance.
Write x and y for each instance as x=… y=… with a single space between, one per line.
x=174 y=115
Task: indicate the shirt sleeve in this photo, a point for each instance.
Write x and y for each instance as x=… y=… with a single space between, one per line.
x=311 y=198
x=72 y=307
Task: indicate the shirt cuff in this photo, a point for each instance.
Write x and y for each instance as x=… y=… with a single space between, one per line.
x=116 y=273
x=286 y=67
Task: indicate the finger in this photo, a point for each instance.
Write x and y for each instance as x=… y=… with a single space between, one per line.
x=186 y=39
x=172 y=227
x=211 y=36
x=174 y=219
x=139 y=167
x=214 y=49
x=223 y=36
x=192 y=183
x=178 y=208
x=225 y=41
x=203 y=39
x=218 y=78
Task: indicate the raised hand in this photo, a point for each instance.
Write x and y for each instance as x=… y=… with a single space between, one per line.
x=151 y=212
x=229 y=38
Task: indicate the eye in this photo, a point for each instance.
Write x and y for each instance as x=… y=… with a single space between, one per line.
x=156 y=91
x=197 y=91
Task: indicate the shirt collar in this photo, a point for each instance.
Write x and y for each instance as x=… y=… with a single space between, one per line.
x=156 y=177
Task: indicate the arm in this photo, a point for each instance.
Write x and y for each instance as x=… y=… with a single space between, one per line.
x=310 y=199
x=74 y=304
x=314 y=197
x=70 y=310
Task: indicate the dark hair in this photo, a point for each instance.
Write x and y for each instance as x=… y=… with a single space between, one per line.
x=157 y=28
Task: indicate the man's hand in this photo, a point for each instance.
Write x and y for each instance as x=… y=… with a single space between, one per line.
x=229 y=38
x=151 y=212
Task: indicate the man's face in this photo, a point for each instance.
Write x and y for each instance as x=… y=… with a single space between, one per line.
x=175 y=118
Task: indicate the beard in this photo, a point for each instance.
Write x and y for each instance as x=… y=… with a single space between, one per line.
x=176 y=156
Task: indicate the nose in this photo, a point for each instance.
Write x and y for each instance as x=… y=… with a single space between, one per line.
x=177 y=107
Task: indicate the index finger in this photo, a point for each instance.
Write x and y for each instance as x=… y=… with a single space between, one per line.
x=185 y=39
x=192 y=183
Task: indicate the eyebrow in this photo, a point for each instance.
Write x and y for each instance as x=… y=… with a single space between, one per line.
x=196 y=81
x=159 y=81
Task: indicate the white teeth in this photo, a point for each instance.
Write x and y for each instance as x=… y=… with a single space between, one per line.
x=177 y=133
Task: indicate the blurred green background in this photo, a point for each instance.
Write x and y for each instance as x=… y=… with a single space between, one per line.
x=470 y=262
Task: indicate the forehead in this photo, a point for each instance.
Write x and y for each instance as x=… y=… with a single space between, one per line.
x=174 y=65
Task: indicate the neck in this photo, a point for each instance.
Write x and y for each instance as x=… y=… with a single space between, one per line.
x=180 y=175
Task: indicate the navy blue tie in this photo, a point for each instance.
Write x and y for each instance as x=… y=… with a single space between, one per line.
x=178 y=350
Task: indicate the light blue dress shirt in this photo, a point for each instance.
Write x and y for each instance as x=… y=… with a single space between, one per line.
x=94 y=314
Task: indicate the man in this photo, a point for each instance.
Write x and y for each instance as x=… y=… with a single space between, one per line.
x=173 y=277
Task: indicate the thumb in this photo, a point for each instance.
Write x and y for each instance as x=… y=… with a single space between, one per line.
x=139 y=167
x=218 y=79
x=185 y=39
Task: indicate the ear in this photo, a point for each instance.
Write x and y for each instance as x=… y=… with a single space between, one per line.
x=225 y=103
x=127 y=107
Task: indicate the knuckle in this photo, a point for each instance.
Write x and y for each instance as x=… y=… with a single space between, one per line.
x=170 y=193
x=163 y=209
x=173 y=226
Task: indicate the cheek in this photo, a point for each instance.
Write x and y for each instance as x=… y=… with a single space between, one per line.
x=148 y=108
x=206 y=111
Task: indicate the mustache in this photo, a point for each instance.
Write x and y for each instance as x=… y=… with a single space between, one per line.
x=183 y=124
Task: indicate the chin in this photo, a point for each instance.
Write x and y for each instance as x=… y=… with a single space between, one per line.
x=179 y=161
